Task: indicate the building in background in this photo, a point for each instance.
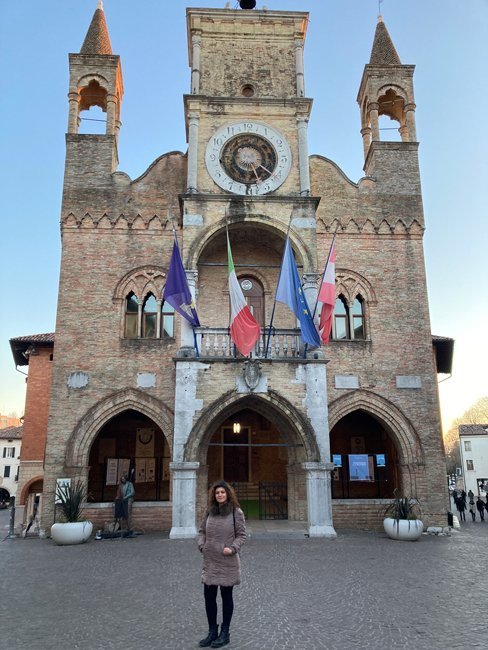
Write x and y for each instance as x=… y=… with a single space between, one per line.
x=7 y=421
x=473 y=441
x=35 y=353
x=10 y=444
x=319 y=437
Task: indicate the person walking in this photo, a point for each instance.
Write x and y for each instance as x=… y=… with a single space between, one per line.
x=461 y=508
x=471 y=506
x=220 y=537
x=480 y=507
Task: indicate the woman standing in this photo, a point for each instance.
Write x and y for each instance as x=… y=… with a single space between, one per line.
x=221 y=535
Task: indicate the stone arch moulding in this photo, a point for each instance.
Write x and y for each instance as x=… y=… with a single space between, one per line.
x=26 y=488
x=198 y=246
x=84 y=81
x=398 y=90
x=350 y=284
x=271 y=405
x=403 y=433
x=85 y=432
x=142 y=279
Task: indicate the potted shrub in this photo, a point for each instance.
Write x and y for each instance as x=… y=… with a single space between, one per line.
x=75 y=529
x=402 y=519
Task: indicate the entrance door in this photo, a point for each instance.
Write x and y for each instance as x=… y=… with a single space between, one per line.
x=254 y=294
x=236 y=458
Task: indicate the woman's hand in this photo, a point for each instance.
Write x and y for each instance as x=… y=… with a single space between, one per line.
x=228 y=551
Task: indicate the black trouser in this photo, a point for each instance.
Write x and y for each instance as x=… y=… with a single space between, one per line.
x=210 y=593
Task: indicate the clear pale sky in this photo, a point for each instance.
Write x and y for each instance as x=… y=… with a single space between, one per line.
x=446 y=39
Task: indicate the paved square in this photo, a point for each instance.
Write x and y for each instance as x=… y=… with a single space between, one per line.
x=361 y=590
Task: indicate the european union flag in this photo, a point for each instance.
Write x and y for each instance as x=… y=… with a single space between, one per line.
x=291 y=293
x=176 y=291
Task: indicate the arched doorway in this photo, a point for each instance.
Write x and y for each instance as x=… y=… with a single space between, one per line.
x=129 y=443
x=365 y=457
x=4 y=497
x=249 y=452
x=254 y=294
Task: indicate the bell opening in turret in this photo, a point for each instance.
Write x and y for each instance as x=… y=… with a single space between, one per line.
x=247 y=4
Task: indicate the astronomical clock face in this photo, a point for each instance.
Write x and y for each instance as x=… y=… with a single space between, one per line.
x=248 y=158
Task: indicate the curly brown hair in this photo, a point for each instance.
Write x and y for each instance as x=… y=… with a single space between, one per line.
x=212 y=505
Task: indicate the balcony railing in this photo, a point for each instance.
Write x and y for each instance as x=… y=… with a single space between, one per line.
x=216 y=342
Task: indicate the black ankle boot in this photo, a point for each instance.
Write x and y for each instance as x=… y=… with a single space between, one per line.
x=213 y=632
x=223 y=638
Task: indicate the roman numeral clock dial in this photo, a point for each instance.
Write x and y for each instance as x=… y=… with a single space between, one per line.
x=248 y=158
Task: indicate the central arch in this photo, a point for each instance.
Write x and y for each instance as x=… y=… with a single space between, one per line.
x=264 y=460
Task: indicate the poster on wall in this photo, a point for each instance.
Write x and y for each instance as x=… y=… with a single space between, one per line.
x=140 y=470
x=144 y=443
x=60 y=484
x=124 y=466
x=361 y=467
x=150 y=470
x=112 y=471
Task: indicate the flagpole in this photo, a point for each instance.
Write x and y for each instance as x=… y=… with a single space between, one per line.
x=321 y=281
x=195 y=343
x=231 y=342
x=277 y=285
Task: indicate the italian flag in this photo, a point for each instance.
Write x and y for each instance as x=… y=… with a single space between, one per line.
x=244 y=329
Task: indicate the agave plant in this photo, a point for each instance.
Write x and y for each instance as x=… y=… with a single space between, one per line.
x=403 y=507
x=71 y=498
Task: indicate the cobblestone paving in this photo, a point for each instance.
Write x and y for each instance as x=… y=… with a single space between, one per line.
x=358 y=591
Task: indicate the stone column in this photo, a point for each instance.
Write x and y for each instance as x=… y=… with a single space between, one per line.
x=111 y=114
x=74 y=112
x=184 y=500
x=303 y=162
x=196 y=41
x=299 y=68
x=319 y=499
x=374 y=120
x=410 y=122
x=310 y=288
x=139 y=317
x=159 y=302
x=193 y=122
x=366 y=135
x=187 y=340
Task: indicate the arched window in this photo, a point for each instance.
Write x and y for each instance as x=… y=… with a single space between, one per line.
x=349 y=323
x=340 y=324
x=149 y=317
x=358 y=319
x=131 y=314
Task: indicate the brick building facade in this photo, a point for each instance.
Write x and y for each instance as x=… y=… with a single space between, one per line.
x=36 y=352
x=128 y=391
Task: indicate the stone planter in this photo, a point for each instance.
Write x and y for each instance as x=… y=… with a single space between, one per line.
x=403 y=529
x=72 y=532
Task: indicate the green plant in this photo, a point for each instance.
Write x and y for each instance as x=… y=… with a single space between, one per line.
x=70 y=498
x=403 y=508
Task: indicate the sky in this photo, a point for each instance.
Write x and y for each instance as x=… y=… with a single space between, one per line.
x=445 y=39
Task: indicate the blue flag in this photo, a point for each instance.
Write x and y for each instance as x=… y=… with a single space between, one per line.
x=176 y=291
x=291 y=293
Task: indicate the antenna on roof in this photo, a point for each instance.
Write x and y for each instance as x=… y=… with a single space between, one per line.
x=380 y=18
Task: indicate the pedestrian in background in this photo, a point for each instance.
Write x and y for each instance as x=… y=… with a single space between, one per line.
x=471 y=496
x=220 y=537
x=461 y=507
x=480 y=506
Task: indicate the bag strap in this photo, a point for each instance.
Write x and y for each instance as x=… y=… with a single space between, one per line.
x=234 y=518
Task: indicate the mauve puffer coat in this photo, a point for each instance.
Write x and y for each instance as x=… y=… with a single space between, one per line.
x=216 y=532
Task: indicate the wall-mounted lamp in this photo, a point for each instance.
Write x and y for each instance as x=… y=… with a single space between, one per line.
x=237 y=427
